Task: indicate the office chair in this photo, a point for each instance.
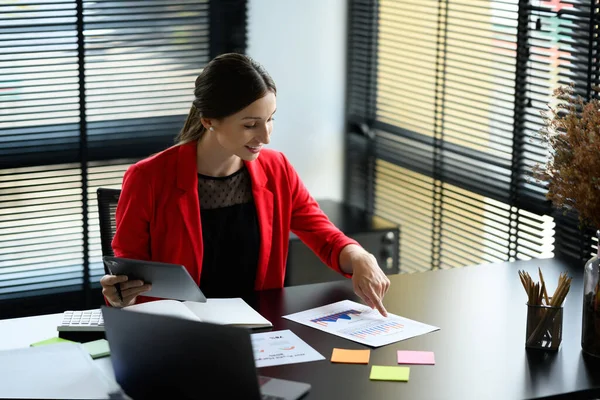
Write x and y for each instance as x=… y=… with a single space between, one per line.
x=107 y=208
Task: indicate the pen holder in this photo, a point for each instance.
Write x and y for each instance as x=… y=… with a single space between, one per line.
x=544 y=327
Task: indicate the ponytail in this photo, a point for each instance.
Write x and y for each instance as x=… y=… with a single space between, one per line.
x=192 y=129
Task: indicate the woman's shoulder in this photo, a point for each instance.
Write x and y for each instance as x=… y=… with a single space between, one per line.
x=165 y=159
x=159 y=170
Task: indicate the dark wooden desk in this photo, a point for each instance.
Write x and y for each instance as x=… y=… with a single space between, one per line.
x=479 y=350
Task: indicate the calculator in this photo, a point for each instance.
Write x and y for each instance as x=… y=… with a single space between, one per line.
x=82 y=321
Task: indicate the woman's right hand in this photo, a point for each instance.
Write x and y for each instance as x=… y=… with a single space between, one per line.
x=130 y=290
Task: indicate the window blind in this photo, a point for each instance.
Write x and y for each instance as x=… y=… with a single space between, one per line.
x=39 y=85
x=86 y=89
x=141 y=59
x=446 y=115
x=563 y=50
x=41 y=240
x=41 y=231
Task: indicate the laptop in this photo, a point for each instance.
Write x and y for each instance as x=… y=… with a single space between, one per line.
x=156 y=356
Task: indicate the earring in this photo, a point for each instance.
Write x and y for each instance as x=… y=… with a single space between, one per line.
x=211 y=129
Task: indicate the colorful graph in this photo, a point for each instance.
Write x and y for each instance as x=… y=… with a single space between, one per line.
x=346 y=315
x=378 y=329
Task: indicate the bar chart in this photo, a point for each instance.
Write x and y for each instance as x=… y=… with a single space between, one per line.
x=360 y=323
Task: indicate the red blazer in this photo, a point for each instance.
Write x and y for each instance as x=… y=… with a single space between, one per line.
x=158 y=214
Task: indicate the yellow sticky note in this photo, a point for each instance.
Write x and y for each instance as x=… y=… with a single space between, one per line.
x=379 y=373
x=350 y=356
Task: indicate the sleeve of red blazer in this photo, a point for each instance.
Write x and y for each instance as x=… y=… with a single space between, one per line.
x=132 y=238
x=312 y=226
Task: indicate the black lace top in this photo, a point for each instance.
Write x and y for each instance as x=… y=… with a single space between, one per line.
x=230 y=234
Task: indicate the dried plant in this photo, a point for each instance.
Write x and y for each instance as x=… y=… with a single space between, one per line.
x=572 y=134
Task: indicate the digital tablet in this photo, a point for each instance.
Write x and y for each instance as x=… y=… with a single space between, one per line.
x=169 y=281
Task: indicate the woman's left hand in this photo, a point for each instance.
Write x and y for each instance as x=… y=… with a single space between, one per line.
x=369 y=281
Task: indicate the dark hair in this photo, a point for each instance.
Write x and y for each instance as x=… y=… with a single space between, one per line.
x=229 y=83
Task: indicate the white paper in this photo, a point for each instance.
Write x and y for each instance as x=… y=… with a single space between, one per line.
x=55 y=371
x=281 y=347
x=171 y=308
x=227 y=312
x=216 y=311
x=360 y=323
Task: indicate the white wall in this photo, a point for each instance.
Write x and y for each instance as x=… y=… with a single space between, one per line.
x=302 y=44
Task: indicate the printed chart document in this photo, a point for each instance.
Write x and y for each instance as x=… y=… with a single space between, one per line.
x=360 y=323
x=235 y=312
x=281 y=347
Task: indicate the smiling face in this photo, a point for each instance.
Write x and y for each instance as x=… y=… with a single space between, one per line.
x=244 y=133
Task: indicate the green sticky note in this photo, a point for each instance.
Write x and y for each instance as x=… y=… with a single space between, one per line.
x=97 y=348
x=379 y=373
x=50 y=341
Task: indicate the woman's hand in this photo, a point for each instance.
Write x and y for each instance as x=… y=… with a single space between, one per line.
x=369 y=281
x=130 y=290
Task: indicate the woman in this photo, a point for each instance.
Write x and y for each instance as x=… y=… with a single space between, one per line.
x=222 y=205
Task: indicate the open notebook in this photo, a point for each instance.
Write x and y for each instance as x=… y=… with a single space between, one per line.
x=235 y=312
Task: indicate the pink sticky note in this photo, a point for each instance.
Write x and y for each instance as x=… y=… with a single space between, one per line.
x=416 y=357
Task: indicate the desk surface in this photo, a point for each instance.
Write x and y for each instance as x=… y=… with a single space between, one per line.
x=479 y=350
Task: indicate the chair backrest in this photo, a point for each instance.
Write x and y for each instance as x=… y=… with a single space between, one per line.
x=107 y=208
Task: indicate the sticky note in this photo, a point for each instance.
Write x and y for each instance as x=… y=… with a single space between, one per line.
x=50 y=341
x=379 y=373
x=97 y=348
x=350 y=356
x=416 y=357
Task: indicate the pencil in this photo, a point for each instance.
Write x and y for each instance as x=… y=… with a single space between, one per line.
x=544 y=286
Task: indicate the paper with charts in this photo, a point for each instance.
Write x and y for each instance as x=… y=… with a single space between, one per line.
x=360 y=323
x=281 y=347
